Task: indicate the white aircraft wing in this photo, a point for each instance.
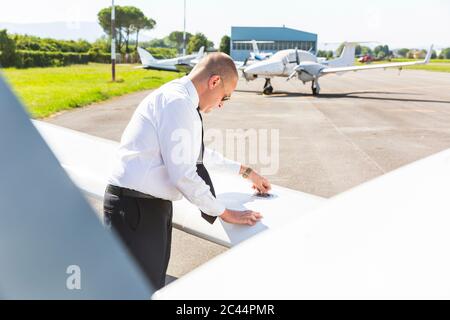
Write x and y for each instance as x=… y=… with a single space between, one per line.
x=87 y=160
x=49 y=235
x=379 y=66
x=386 y=239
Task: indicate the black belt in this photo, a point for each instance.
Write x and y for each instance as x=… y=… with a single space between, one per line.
x=124 y=192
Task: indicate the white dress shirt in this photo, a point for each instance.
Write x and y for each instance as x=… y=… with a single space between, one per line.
x=160 y=147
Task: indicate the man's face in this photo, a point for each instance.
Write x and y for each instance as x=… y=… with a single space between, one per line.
x=218 y=93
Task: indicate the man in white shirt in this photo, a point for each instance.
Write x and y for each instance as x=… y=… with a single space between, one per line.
x=160 y=159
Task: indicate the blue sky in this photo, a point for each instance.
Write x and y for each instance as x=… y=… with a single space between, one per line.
x=396 y=22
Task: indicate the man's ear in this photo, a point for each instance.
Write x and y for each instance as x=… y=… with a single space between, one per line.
x=214 y=81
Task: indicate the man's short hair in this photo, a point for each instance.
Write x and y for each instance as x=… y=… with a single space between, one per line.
x=217 y=63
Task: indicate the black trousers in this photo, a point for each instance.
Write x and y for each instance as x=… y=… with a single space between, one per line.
x=145 y=227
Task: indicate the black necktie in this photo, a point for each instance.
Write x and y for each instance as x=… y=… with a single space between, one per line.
x=203 y=173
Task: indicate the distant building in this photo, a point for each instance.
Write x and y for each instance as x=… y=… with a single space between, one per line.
x=282 y=37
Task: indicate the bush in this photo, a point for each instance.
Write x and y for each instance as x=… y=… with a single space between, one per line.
x=33 y=43
x=445 y=54
x=7 y=50
x=96 y=55
x=29 y=59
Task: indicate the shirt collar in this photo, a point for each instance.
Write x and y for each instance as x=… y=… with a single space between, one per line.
x=192 y=91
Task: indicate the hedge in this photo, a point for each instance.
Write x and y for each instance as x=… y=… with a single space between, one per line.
x=29 y=59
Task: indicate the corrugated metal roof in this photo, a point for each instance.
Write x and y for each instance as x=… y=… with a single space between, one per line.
x=271 y=33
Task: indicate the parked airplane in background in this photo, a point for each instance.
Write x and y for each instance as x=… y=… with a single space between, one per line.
x=179 y=64
x=366 y=59
x=256 y=55
x=307 y=68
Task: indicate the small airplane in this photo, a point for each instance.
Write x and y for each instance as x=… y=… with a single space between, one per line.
x=308 y=68
x=256 y=55
x=179 y=64
x=366 y=59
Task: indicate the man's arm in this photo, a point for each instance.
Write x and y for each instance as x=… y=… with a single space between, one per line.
x=215 y=160
x=260 y=184
x=176 y=134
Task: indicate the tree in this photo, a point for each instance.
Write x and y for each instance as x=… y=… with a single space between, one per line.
x=434 y=55
x=366 y=51
x=385 y=49
x=132 y=17
x=143 y=23
x=225 y=45
x=325 y=54
x=104 y=19
x=197 y=41
x=445 y=54
x=176 y=38
x=381 y=55
x=129 y=20
x=340 y=49
x=403 y=52
x=7 y=50
x=102 y=44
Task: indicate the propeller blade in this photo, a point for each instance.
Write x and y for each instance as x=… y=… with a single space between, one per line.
x=293 y=74
x=297 y=57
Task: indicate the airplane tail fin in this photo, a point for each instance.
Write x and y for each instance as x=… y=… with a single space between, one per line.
x=429 y=54
x=255 y=47
x=146 y=57
x=347 y=57
x=200 y=53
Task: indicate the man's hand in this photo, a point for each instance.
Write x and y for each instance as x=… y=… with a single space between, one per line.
x=241 y=217
x=261 y=184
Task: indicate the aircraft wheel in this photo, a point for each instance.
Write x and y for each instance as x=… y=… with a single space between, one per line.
x=315 y=88
x=268 y=90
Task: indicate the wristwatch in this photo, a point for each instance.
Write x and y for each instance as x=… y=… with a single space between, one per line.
x=247 y=173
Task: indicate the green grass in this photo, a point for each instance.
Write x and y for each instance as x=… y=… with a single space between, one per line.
x=46 y=91
x=436 y=65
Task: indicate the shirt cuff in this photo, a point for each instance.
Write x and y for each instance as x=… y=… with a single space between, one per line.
x=215 y=209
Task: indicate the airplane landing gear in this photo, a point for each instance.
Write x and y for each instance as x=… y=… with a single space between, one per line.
x=315 y=88
x=268 y=89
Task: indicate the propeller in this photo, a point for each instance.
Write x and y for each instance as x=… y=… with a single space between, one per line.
x=297 y=68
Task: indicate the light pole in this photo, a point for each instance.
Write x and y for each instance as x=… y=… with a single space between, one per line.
x=184 y=30
x=113 y=41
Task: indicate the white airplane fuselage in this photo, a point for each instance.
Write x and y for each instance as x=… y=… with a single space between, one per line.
x=281 y=64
